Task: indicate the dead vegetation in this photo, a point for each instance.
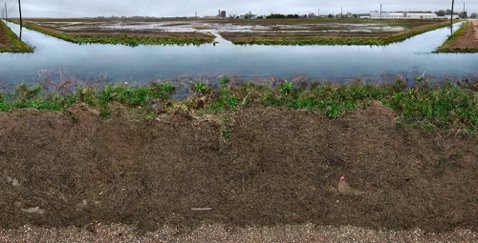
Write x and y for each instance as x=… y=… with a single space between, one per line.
x=278 y=167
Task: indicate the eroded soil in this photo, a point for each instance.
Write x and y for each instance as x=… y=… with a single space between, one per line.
x=265 y=168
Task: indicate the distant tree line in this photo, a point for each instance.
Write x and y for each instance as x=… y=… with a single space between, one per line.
x=312 y=15
x=283 y=16
x=463 y=14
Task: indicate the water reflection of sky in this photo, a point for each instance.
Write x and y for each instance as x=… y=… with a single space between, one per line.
x=145 y=63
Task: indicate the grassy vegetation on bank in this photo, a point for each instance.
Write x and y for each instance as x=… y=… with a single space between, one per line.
x=446 y=47
x=9 y=42
x=339 y=40
x=424 y=105
x=120 y=39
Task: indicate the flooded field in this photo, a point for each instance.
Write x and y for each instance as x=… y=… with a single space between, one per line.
x=192 y=25
x=239 y=31
x=56 y=59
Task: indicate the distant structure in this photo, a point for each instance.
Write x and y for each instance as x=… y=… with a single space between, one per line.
x=221 y=14
x=455 y=16
x=401 y=15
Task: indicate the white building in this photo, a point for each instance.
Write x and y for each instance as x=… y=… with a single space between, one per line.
x=455 y=16
x=399 y=15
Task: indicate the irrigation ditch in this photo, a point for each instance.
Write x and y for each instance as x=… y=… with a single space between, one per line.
x=241 y=160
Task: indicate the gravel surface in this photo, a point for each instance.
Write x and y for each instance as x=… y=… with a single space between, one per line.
x=220 y=233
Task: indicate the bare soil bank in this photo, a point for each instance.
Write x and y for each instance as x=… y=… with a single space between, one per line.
x=4 y=40
x=273 y=167
x=9 y=42
x=468 y=42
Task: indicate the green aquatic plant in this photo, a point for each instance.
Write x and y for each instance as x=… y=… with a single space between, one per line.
x=200 y=87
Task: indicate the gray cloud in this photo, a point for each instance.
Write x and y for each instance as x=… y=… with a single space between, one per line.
x=166 y=8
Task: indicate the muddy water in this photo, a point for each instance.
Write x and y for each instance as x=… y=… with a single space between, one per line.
x=54 y=57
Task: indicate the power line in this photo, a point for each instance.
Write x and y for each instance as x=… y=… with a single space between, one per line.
x=11 y=8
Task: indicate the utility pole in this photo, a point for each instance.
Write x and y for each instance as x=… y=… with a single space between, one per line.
x=20 y=10
x=451 y=17
x=381 y=6
x=6 y=11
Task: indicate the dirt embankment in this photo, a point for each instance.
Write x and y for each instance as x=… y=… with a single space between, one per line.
x=469 y=40
x=9 y=42
x=4 y=38
x=271 y=167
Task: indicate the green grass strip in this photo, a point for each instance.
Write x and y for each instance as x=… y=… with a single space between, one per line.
x=425 y=105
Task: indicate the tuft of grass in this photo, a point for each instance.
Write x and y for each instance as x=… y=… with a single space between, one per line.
x=200 y=87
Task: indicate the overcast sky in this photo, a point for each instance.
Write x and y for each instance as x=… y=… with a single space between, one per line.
x=170 y=8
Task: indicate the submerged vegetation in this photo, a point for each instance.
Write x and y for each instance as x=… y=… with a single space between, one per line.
x=426 y=105
x=9 y=42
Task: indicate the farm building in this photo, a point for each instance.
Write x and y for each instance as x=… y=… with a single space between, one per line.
x=401 y=15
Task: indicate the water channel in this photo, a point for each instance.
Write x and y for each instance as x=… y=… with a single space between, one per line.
x=146 y=63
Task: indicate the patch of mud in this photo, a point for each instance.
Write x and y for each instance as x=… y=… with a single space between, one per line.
x=277 y=167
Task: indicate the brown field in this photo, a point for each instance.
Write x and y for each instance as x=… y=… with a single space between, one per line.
x=75 y=176
x=4 y=40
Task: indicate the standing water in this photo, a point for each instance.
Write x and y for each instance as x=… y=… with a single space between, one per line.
x=144 y=63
